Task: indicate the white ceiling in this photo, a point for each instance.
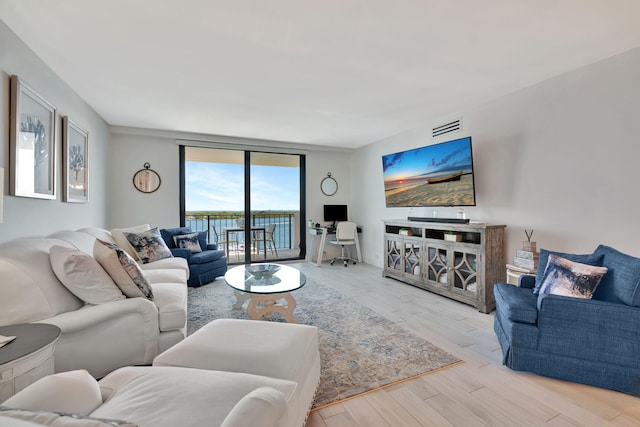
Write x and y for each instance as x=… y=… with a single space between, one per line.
x=341 y=73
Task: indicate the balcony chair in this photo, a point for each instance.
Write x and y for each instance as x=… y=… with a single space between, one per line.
x=227 y=239
x=345 y=236
x=270 y=239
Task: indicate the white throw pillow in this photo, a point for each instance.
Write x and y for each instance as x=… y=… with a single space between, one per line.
x=121 y=240
x=83 y=276
x=70 y=392
x=123 y=270
x=264 y=407
x=149 y=245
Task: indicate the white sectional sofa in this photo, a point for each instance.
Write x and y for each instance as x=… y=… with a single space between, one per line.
x=99 y=338
x=231 y=373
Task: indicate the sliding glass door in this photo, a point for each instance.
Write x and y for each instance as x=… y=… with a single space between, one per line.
x=250 y=202
x=275 y=205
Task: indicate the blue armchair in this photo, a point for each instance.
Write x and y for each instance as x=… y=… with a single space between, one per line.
x=590 y=341
x=204 y=266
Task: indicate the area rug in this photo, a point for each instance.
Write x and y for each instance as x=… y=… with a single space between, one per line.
x=359 y=349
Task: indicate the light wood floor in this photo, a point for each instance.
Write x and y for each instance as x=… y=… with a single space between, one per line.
x=478 y=392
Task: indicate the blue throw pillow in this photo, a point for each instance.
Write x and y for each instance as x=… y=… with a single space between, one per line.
x=589 y=259
x=570 y=279
x=622 y=282
x=168 y=233
x=202 y=239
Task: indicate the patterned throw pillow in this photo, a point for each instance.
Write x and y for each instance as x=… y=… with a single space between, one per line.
x=123 y=270
x=188 y=241
x=571 y=279
x=118 y=237
x=590 y=259
x=149 y=245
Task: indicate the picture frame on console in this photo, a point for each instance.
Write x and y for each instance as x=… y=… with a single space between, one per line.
x=75 y=161
x=32 y=143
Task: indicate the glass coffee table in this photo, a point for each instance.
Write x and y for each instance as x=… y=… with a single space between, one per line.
x=268 y=289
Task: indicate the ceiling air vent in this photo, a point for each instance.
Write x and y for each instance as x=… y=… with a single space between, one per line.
x=453 y=126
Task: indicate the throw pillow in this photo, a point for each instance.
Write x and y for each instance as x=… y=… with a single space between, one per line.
x=83 y=276
x=188 y=241
x=118 y=237
x=73 y=391
x=56 y=419
x=571 y=279
x=123 y=270
x=622 y=282
x=149 y=245
x=202 y=238
x=589 y=259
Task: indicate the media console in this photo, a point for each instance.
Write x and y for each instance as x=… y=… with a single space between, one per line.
x=459 y=261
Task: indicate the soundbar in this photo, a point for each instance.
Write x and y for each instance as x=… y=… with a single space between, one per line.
x=431 y=219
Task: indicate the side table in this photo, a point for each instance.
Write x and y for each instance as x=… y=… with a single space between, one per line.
x=514 y=272
x=27 y=358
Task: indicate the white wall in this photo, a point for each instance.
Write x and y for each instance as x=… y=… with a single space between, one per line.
x=131 y=148
x=36 y=217
x=560 y=157
x=318 y=164
x=129 y=206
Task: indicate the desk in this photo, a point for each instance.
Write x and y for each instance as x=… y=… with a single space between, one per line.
x=255 y=231
x=323 y=232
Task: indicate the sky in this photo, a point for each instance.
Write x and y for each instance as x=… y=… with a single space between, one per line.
x=432 y=158
x=220 y=187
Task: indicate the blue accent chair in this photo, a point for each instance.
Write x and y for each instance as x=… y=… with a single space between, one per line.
x=590 y=341
x=204 y=266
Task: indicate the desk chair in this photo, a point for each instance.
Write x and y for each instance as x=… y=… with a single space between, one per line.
x=345 y=236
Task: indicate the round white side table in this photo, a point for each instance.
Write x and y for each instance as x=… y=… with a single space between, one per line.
x=27 y=358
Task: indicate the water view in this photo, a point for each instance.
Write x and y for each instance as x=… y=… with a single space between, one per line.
x=284 y=233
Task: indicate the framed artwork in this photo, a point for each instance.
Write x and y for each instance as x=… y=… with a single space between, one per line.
x=32 y=143
x=75 y=161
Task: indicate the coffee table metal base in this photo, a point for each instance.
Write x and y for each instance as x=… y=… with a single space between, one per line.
x=267 y=304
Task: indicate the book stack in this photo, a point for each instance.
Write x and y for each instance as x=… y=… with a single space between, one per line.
x=527 y=257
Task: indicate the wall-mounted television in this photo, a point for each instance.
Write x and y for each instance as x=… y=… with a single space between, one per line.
x=434 y=175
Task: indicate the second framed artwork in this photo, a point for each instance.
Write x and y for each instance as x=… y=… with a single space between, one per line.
x=75 y=162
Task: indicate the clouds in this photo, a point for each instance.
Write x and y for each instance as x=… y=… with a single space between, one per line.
x=214 y=186
x=390 y=160
x=220 y=187
x=446 y=160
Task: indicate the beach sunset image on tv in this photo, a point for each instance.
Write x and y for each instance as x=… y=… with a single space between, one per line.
x=435 y=175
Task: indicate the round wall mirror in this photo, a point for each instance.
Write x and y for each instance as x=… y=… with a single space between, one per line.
x=146 y=180
x=329 y=185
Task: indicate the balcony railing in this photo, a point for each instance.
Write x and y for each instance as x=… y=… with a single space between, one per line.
x=284 y=234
